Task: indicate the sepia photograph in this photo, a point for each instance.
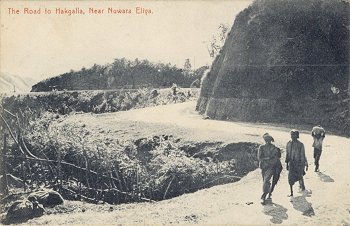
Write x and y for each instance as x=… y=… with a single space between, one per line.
x=169 y=112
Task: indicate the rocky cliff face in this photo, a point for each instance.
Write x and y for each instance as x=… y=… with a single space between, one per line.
x=283 y=60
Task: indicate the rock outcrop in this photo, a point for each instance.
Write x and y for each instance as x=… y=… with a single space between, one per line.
x=21 y=208
x=47 y=198
x=283 y=61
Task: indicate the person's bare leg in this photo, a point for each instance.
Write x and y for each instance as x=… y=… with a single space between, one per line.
x=271 y=190
x=291 y=191
x=263 y=198
x=301 y=182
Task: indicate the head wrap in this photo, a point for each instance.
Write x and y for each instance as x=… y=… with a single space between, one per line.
x=267 y=137
x=294 y=132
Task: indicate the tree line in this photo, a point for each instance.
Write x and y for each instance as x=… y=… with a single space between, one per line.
x=122 y=73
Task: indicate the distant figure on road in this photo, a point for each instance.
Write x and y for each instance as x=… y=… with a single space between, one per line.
x=318 y=133
x=154 y=93
x=174 y=89
x=296 y=161
x=269 y=162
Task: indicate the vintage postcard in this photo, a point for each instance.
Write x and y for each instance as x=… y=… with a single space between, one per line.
x=175 y=112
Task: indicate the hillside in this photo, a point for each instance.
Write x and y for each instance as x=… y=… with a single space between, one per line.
x=285 y=61
x=122 y=73
x=9 y=83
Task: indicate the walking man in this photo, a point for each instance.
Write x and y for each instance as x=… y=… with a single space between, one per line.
x=296 y=161
x=174 y=89
x=318 y=134
x=268 y=157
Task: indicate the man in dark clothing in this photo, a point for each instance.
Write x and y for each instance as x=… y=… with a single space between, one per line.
x=318 y=134
x=174 y=89
x=296 y=161
x=271 y=167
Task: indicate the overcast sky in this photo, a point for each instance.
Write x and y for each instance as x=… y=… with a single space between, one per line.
x=41 y=45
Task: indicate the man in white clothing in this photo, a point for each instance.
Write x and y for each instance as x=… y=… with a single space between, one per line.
x=318 y=134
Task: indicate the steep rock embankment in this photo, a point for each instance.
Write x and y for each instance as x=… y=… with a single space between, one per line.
x=283 y=61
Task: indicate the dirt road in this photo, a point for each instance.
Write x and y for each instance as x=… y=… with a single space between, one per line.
x=326 y=201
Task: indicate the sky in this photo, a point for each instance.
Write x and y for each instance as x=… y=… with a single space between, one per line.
x=44 y=45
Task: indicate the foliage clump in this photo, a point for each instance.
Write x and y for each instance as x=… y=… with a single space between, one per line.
x=151 y=168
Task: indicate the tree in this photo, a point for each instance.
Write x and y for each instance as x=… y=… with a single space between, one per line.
x=188 y=68
x=217 y=41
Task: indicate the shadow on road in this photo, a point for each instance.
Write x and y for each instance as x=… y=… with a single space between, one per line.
x=276 y=211
x=301 y=204
x=325 y=178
